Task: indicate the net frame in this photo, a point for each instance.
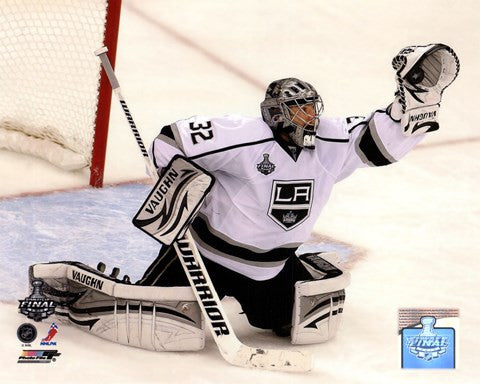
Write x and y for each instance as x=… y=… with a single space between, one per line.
x=54 y=97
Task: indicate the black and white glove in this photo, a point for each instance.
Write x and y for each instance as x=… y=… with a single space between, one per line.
x=422 y=74
x=174 y=201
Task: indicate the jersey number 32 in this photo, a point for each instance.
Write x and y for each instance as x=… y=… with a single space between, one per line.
x=201 y=131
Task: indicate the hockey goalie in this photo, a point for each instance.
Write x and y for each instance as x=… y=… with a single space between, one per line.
x=250 y=190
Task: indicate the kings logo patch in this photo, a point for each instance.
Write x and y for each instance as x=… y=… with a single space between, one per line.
x=290 y=202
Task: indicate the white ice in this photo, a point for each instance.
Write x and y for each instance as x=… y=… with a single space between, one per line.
x=413 y=227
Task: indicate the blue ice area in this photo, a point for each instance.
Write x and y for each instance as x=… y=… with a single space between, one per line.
x=88 y=225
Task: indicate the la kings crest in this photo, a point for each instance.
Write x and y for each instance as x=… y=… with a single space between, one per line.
x=290 y=202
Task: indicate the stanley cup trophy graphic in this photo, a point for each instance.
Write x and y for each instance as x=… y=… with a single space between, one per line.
x=428 y=323
x=36 y=306
x=37 y=290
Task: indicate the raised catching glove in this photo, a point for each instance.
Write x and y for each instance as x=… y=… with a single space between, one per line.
x=422 y=74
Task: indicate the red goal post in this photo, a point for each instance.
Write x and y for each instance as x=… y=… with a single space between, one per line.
x=105 y=96
x=54 y=96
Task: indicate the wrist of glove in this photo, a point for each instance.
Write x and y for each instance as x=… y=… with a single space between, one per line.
x=422 y=74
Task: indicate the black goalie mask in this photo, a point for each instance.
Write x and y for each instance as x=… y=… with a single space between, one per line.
x=294 y=107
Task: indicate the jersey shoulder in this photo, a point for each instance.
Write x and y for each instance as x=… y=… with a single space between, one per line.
x=200 y=134
x=332 y=128
x=339 y=128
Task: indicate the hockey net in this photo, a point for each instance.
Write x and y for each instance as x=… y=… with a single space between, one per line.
x=51 y=100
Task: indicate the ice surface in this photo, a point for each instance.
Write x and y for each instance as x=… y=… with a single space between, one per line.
x=86 y=225
x=414 y=225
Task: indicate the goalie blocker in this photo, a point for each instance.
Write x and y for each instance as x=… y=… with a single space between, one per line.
x=174 y=201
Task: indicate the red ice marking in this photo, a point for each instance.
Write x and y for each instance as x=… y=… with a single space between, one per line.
x=74 y=189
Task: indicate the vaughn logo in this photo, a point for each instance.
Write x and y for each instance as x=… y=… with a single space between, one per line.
x=423 y=116
x=428 y=347
x=87 y=280
x=266 y=166
x=423 y=120
x=161 y=189
x=36 y=306
x=290 y=202
x=176 y=196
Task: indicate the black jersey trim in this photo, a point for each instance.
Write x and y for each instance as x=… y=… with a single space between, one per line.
x=292 y=149
x=167 y=131
x=202 y=230
x=357 y=125
x=230 y=148
x=371 y=149
x=167 y=136
x=364 y=122
x=333 y=140
x=153 y=156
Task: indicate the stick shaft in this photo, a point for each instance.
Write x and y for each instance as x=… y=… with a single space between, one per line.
x=102 y=54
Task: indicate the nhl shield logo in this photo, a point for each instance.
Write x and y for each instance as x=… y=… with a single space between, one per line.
x=290 y=202
x=266 y=167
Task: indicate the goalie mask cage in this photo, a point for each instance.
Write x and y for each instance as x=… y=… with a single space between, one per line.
x=54 y=97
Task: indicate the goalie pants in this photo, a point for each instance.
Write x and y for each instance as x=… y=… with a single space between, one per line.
x=267 y=304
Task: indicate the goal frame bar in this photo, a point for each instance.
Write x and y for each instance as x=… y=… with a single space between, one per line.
x=99 y=149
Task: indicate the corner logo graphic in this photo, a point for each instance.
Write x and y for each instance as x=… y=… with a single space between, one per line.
x=38 y=356
x=27 y=333
x=36 y=306
x=266 y=166
x=51 y=333
x=428 y=347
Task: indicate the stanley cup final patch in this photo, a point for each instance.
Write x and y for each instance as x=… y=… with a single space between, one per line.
x=37 y=306
x=428 y=338
x=266 y=166
x=290 y=202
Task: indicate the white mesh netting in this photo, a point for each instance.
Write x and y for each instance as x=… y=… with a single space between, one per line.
x=49 y=77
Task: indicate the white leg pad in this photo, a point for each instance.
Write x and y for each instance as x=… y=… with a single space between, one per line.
x=153 y=318
x=318 y=303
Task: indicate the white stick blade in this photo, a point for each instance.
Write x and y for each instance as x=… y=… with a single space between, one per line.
x=271 y=359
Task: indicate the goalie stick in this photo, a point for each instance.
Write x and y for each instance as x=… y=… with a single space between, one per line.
x=231 y=348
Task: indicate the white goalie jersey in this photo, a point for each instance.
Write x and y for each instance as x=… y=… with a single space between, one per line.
x=266 y=199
